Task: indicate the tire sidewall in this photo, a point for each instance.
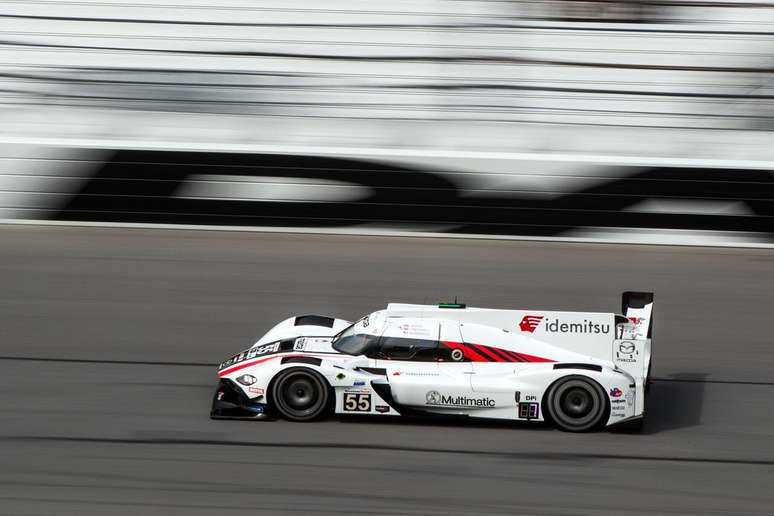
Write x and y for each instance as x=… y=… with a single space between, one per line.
x=317 y=379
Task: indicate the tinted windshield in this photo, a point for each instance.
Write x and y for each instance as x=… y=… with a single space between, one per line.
x=352 y=343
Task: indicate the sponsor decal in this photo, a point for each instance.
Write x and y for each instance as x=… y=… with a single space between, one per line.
x=530 y=397
x=630 y=398
x=435 y=398
x=220 y=395
x=640 y=327
x=626 y=352
x=396 y=373
x=358 y=383
x=530 y=322
x=618 y=414
x=255 y=390
x=382 y=409
x=354 y=402
x=299 y=344
x=366 y=321
x=616 y=392
x=251 y=353
x=247 y=379
x=529 y=410
x=617 y=401
x=556 y=326
x=416 y=330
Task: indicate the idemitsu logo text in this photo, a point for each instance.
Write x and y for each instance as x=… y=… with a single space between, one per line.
x=586 y=326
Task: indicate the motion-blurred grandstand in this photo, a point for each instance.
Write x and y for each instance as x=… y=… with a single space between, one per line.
x=545 y=76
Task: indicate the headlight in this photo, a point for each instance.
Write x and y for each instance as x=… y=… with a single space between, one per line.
x=247 y=379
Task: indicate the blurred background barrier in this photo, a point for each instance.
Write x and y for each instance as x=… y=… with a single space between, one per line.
x=473 y=195
x=448 y=115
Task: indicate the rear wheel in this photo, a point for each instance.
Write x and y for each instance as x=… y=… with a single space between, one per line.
x=576 y=404
x=300 y=394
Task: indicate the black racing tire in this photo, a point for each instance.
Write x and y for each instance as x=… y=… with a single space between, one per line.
x=300 y=394
x=577 y=404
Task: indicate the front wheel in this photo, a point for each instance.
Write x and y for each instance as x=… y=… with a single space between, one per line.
x=576 y=403
x=300 y=394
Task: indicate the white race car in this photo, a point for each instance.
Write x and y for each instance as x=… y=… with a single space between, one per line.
x=578 y=370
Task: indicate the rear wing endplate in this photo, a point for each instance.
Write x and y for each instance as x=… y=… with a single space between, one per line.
x=634 y=336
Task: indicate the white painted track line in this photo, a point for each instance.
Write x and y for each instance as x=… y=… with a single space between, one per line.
x=677 y=238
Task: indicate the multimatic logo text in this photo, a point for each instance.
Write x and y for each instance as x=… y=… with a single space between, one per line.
x=443 y=400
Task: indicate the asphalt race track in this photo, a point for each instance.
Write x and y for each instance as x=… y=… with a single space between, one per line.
x=109 y=337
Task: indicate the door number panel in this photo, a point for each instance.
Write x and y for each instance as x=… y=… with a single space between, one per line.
x=354 y=402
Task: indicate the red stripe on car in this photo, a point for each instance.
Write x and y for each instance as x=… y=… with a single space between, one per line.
x=481 y=353
x=507 y=357
x=533 y=358
x=487 y=352
x=469 y=353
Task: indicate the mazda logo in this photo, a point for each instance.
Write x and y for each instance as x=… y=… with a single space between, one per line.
x=626 y=347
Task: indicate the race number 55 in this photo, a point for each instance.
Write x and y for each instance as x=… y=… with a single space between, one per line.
x=357 y=402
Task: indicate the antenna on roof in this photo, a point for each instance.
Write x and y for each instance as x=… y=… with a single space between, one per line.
x=452 y=305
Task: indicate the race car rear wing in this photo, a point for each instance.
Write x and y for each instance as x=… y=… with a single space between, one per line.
x=634 y=334
x=637 y=307
x=632 y=344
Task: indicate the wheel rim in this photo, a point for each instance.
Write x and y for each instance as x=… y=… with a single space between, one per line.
x=577 y=404
x=300 y=396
